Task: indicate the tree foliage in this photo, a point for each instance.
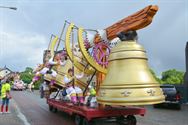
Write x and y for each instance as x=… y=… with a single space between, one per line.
x=172 y=76
x=27 y=75
x=28 y=70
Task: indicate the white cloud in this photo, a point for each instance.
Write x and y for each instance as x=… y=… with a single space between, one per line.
x=21 y=50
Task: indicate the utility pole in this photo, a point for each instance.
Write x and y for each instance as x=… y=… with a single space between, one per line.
x=186 y=73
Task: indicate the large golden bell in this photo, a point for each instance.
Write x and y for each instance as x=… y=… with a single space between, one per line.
x=129 y=80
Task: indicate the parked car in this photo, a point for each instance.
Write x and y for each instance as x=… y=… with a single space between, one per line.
x=172 y=97
x=18 y=85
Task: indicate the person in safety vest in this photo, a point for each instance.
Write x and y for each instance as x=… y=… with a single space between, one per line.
x=5 y=96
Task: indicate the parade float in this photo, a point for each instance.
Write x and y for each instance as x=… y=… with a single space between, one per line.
x=111 y=62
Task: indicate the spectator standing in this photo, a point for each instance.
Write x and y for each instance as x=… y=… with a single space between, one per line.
x=5 y=95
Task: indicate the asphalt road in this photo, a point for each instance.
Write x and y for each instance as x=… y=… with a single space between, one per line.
x=164 y=116
x=34 y=111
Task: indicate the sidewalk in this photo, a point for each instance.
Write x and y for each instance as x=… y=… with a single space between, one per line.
x=12 y=117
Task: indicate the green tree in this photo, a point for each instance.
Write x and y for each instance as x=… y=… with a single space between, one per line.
x=28 y=70
x=28 y=75
x=172 y=76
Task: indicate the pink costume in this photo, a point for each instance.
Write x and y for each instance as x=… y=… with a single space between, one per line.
x=54 y=73
x=37 y=76
x=72 y=91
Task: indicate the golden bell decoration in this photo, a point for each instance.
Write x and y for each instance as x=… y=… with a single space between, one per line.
x=129 y=80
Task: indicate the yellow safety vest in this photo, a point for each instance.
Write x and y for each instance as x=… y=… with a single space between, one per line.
x=92 y=92
x=4 y=89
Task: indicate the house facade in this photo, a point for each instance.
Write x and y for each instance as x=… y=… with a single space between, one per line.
x=4 y=72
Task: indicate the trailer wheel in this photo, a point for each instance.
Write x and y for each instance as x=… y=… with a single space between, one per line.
x=121 y=120
x=78 y=119
x=131 y=120
x=51 y=108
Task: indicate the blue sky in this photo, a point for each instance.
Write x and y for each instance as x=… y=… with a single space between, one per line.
x=25 y=33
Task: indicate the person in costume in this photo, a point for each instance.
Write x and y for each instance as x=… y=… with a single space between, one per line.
x=91 y=96
x=39 y=71
x=37 y=76
x=72 y=90
x=55 y=63
x=47 y=67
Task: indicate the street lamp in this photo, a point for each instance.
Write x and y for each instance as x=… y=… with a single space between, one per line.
x=12 y=8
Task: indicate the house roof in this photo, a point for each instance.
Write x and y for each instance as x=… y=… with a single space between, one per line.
x=5 y=68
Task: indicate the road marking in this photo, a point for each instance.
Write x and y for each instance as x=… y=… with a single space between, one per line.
x=20 y=114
